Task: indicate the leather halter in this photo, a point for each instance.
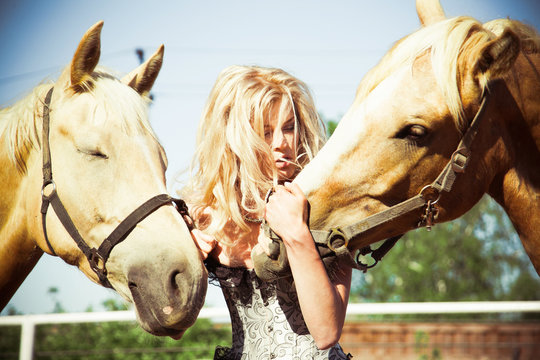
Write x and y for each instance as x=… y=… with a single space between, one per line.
x=96 y=257
x=337 y=239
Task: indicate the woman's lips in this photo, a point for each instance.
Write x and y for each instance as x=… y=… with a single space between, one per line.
x=282 y=163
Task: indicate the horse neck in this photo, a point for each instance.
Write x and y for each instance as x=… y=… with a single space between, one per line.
x=524 y=85
x=19 y=139
x=517 y=186
x=18 y=250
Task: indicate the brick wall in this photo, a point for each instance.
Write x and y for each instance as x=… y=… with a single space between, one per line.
x=445 y=341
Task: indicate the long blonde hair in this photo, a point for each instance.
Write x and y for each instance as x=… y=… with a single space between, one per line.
x=233 y=166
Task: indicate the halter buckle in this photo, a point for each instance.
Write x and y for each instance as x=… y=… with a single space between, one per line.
x=182 y=208
x=459 y=160
x=97 y=263
x=430 y=215
x=336 y=234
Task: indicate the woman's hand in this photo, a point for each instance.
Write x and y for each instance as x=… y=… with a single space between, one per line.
x=287 y=211
x=205 y=243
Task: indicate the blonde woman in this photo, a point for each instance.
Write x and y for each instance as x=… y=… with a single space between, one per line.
x=258 y=129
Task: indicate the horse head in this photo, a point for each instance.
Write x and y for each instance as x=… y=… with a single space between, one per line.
x=411 y=113
x=104 y=162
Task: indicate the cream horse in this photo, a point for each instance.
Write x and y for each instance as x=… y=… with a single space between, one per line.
x=398 y=143
x=106 y=162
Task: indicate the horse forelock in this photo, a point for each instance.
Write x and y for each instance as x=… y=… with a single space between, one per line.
x=120 y=102
x=20 y=124
x=448 y=42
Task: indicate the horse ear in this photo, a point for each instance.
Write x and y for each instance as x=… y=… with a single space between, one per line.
x=87 y=55
x=497 y=56
x=142 y=78
x=429 y=11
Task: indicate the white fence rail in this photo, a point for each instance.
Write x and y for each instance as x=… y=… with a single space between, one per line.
x=28 y=322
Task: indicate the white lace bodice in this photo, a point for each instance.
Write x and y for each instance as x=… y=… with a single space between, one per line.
x=266 y=319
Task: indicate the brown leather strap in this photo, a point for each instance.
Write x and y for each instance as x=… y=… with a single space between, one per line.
x=96 y=257
x=128 y=224
x=46 y=150
x=460 y=158
x=47 y=170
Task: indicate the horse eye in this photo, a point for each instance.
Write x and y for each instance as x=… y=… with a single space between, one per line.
x=94 y=153
x=99 y=154
x=412 y=132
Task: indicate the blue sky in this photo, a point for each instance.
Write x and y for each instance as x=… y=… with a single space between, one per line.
x=328 y=44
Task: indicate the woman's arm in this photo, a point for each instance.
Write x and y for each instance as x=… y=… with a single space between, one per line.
x=323 y=302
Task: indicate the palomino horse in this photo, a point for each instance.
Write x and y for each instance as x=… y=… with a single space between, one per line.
x=99 y=160
x=408 y=153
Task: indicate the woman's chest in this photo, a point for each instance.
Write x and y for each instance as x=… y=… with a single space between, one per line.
x=238 y=254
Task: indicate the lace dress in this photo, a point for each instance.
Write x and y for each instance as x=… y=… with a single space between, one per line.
x=266 y=319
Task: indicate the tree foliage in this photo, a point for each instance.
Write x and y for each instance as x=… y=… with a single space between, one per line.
x=477 y=257
x=126 y=341
x=115 y=340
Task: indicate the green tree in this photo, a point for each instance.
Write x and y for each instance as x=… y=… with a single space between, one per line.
x=331 y=127
x=53 y=293
x=115 y=340
x=126 y=341
x=475 y=257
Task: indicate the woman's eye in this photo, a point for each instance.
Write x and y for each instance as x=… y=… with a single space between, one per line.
x=288 y=128
x=412 y=132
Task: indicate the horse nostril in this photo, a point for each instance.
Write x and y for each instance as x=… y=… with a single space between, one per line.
x=132 y=285
x=174 y=283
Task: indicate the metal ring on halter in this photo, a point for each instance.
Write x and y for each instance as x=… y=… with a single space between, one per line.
x=50 y=182
x=363 y=266
x=433 y=202
x=337 y=233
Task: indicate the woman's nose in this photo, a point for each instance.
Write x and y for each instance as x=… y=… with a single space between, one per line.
x=279 y=141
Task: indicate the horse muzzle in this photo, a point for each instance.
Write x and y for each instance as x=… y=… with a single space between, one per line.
x=167 y=299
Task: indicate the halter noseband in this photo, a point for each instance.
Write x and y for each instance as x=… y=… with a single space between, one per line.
x=97 y=258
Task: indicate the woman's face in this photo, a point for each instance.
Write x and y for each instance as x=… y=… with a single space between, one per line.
x=283 y=142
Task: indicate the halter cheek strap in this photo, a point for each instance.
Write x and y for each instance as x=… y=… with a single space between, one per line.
x=97 y=258
x=47 y=168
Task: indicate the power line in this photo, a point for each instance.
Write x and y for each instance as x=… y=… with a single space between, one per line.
x=190 y=50
x=18 y=77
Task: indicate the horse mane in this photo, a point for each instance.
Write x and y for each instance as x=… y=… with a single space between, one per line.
x=447 y=41
x=18 y=128
x=20 y=124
